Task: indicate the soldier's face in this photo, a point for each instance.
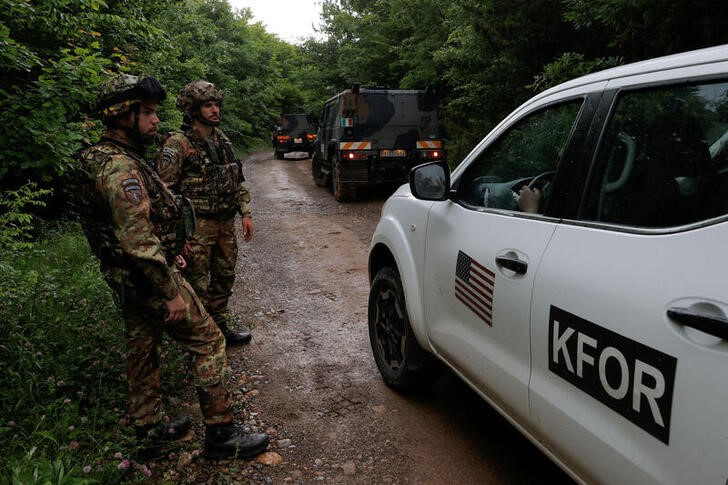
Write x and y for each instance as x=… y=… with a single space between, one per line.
x=210 y=112
x=148 y=119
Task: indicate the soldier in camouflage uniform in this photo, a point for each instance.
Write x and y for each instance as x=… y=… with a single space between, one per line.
x=133 y=225
x=198 y=162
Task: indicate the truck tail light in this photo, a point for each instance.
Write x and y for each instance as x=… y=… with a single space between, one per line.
x=311 y=137
x=354 y=155
x=432 y=154
x=283 y=138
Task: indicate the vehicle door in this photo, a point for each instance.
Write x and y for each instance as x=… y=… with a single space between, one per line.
x=482 y=251
x=629 y=329
x=326 y=131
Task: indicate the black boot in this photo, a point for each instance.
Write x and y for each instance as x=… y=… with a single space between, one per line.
x=152 y=438
x=234 y=338
x=226 y=440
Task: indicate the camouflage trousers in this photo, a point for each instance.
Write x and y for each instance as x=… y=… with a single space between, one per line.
x=211 y=265
x=197 y=335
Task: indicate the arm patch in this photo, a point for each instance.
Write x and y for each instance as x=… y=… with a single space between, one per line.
x=132 y=190
x=168 y=154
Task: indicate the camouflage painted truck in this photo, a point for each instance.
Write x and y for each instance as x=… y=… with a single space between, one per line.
x=374 y=136
x=295 y=132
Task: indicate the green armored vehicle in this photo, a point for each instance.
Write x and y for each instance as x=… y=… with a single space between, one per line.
x=375 y=136
x=295 y=132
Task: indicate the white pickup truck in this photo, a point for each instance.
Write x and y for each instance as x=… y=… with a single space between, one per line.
x=572 y=271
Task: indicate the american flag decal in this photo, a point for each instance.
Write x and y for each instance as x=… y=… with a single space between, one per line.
x=474 y=285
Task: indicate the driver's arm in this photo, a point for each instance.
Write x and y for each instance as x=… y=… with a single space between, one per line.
x=529 y=199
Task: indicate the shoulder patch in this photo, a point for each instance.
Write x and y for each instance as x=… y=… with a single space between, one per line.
x=168 y=154
x=132 y=190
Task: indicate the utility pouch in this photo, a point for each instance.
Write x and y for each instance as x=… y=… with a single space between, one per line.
x=184 y=226
x=228 y=147
x=189 y=217
x=224 y=177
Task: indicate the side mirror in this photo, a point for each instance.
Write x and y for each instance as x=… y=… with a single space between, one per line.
x=430 y=181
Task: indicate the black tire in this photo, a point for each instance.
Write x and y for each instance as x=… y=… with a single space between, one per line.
x=343 y=192
x=280 y=155
x=404 y=365
x=319 y=177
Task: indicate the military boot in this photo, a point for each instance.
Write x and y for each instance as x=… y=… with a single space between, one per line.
x=234 y=338
x=154 y=437
x=226 y=440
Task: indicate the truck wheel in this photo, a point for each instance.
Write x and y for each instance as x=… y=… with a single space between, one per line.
x=319 y=177
x=343 y=192
x=404 y=365
x=280 y=155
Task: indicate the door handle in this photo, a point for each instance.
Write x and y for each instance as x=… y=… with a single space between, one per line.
x=513 y=263
x=711 y=324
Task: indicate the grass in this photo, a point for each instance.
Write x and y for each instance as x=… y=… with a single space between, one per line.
x=63 y=385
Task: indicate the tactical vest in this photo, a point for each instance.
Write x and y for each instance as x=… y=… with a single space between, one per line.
x=96 y=216
x=212 y=176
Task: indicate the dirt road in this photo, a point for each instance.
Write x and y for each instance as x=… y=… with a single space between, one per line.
x=308 y=377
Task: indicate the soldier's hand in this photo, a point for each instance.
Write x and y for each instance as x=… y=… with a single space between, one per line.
x=179 y=262
x=247 y=229
x=177 y=309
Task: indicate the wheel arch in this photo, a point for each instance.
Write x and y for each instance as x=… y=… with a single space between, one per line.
x=396 y=254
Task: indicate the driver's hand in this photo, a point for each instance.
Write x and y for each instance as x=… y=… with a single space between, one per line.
x=529 y=199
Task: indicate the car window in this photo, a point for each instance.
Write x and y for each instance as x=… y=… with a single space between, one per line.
x=663 y=161
x=527 y=154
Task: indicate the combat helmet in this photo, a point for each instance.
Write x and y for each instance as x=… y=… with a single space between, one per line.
x=195 y=94
x=122 y=92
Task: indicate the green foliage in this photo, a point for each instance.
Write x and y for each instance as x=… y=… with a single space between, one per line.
x=31 y=470
x=206 y=39
x=569 y=66
x=54 y=54
x=16 y=223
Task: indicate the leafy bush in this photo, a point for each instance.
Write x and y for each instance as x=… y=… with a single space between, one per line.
x=15 y=222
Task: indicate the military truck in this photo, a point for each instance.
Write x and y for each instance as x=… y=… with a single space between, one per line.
x=375 y=136
x=295 y=132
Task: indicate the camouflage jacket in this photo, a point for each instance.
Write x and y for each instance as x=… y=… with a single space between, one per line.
x=205 y=171
x=129 y=217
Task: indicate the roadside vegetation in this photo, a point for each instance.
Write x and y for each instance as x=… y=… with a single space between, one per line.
x=61 y=339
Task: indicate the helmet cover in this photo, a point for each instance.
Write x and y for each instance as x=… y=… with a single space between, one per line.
x=195 y=94
x=117 y=95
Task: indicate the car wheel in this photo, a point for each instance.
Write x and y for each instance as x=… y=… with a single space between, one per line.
x=319 y=177
x=403 y=363
x=343 y=192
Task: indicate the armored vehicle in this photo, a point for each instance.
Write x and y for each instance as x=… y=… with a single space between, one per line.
x=375 y=136
x=295 y=132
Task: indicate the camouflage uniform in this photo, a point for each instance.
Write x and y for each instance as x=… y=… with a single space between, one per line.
x=132 y=223
x=207 y=172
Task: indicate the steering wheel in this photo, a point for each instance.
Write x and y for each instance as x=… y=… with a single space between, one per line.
x=541 y=180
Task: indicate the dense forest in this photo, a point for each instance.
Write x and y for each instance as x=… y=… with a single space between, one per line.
x=483 y=57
